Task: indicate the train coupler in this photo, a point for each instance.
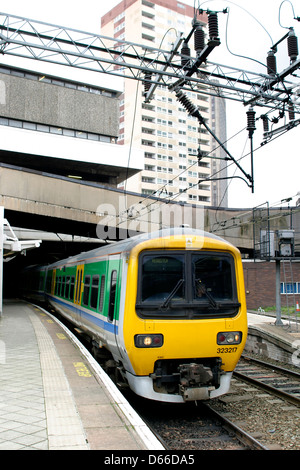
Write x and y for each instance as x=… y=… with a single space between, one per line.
x=195 y=381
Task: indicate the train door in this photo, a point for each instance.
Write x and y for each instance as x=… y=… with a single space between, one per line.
x=53 y=281
x=113 y=278
x=78 y=289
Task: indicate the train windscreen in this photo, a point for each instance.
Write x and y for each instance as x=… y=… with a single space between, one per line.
x=184 y=284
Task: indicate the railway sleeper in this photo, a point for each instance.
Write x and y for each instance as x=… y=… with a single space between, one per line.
x=191 y=378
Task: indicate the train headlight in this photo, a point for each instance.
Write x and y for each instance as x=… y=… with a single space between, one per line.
x=229 y=337
x=148 y=341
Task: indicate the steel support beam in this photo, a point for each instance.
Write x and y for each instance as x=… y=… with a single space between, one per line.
x=23 y=37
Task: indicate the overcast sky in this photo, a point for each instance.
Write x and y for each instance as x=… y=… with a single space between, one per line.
x=252 y=27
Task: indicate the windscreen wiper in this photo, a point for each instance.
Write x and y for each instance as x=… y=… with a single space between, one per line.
x=204 y=291
x=171 y=295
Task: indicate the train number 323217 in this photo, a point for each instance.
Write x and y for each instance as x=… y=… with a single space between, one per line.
x=227 y=350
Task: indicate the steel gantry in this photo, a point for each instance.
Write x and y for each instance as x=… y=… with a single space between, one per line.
x=41 y=41
x=176 y=70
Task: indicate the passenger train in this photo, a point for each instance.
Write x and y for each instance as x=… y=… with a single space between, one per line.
x=168 y=306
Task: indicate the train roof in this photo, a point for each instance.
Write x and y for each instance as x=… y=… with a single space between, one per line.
x=128 y=244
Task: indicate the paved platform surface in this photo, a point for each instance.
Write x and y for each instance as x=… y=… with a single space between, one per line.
x=289 y=331
x=54 y=395
x=279 y=341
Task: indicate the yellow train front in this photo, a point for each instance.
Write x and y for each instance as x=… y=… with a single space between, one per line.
x=169 y=308
x=184 y=323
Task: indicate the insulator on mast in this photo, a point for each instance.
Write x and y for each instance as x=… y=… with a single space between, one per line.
x=200 y=155
x=186 y=54
x=291 y=112
x=292 y=45
x=265 y=121
x=213 y=25
x=251 y=121
x=147 y=81
x=271 y=63
x=183 y=99
x=199 y=38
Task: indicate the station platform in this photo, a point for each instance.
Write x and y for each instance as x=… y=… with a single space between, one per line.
x=54 y=395
x=270 y=340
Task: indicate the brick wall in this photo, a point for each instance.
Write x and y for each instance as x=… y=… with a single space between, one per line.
x=260 y=283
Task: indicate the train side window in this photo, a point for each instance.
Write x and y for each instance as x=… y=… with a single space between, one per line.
x=67 y=291
x=112 y=295
x=72 y=288
x=62 y=287
x=101 y=297
x=41 y=283
x=86 y=290
x=48 y=282
x=57 y=290
x=94 y=291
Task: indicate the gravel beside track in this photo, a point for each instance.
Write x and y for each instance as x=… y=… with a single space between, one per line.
x=271 y=420
x=188 y=427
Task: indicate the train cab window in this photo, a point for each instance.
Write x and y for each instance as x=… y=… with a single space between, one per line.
x=72 y=287
x=212 y=277
x=162 y=274
x=186 y=285
x=94 y=291
x=86 y=290
x=112 y=295
x=101 y=297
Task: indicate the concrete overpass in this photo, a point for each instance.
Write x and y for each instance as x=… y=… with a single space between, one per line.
x=51 y=203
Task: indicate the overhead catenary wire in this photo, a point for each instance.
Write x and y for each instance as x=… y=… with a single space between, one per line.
x=167 y=199
x=293 y=11
x=263 y=64
x=152 y=206
x=194 y=5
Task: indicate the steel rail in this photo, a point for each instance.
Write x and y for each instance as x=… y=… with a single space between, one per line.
x=244 y=437
x=294 y=400
x=284 y=370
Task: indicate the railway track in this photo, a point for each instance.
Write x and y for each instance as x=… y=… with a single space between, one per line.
x=279 y=381
x=231 y=422
x=193 y=427
x=264 y=401
x=260 y=412
x=187 y=427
